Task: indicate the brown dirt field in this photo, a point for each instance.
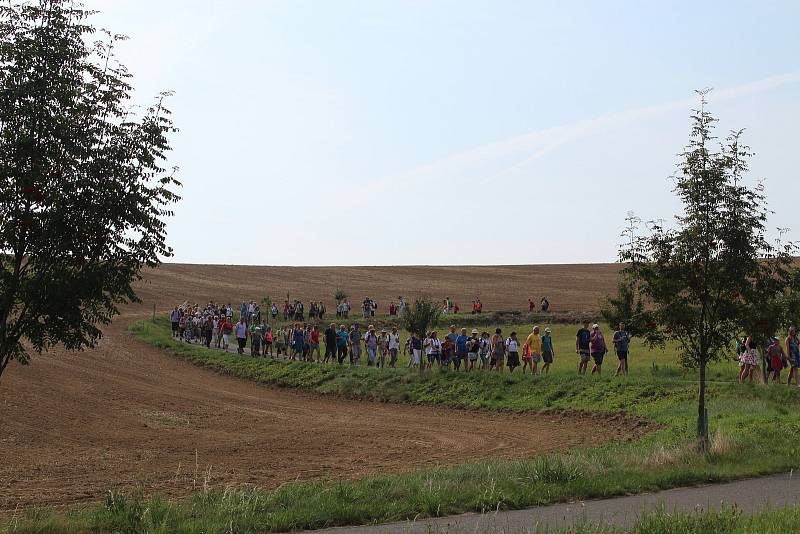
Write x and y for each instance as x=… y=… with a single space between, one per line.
x=74 y=425
x=570 y=288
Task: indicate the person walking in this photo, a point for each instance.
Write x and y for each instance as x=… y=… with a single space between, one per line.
x=394 y=346
x=371 y=345
x=355 y=344
x=255 y=342
x=227 y=329
x=241 y=334
x=548 y=352
x=383 y=348
x=512 y=347
x=313 y=344
x=498 y=351
x=416 y=350
x=621 y=340
x=748 y=360
x=298 y=342
x=533 y=348
x=330 y=343
x=582 y=349
x=175 y=319
x=776 y=358
x=793 y=353
x=433 y=349
x=461 y=350
x=208 y=331
x=597 y=346
x=342 y=339
x=473 y=348
x=485 y=349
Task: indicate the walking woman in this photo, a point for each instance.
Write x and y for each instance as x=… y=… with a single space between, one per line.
x=793 y=352
x=433 y=348
x=748 y=359
x=597 y=347
x=498 y=351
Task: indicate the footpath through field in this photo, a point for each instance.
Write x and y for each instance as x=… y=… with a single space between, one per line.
x=751 y=495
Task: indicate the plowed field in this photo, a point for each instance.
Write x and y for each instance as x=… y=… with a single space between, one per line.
x=74 y=425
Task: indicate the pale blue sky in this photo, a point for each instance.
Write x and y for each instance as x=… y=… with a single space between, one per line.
x=450 y=132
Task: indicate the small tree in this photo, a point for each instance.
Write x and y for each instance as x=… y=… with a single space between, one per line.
x=83 y=189
x=339 y=295
x=697 y=280
x=419 y=317
x=626 y=307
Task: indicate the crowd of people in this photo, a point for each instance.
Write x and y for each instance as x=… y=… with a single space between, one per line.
x=212 y=325
x=777 y=356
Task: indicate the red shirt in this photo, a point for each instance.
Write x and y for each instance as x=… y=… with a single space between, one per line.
x=314 y=336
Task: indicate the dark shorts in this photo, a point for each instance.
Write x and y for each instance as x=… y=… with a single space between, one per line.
x=174 y=326
x=513 y=359
x=622 y=354
x=584 y=357
x=598 y=357
x=461 y=355
x=434 y=358
x=547 y=357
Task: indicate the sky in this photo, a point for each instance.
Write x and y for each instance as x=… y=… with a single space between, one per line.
x=440 y=132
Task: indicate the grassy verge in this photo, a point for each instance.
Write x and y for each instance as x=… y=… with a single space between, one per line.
x=756 y=430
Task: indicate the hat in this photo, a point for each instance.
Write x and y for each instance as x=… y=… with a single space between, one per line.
x=547 y=330
x=371 y=327
x=595 y=325
x=383 y=330
x=474 y=330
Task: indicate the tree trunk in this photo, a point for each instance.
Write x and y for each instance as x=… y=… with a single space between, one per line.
x=702 y=416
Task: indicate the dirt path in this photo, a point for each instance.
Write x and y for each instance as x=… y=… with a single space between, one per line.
x=73 y=425
x=749 y=496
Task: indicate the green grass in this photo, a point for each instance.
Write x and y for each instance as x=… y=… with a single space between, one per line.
x=728 y=520
x=749 y=423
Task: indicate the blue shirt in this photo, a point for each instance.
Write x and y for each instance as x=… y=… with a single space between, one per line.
x=547 y=344
x=621 y=340
x=341 y=338
x=461 y=343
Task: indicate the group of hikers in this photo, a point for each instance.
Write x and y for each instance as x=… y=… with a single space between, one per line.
x=777 y=356
x=212 y=325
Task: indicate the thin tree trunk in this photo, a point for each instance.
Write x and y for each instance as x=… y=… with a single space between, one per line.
x=702 y=423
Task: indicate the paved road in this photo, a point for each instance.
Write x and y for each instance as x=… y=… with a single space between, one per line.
x=749 y=495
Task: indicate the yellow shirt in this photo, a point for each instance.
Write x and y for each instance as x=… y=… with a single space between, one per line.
x=534 y=342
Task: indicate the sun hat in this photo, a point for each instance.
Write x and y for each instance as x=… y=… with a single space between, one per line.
x=474 y=330
x=547 y=330
x=595 y=325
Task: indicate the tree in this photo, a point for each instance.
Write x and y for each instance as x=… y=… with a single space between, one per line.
x=700 y=280
x=419 y=317
x=339 y=295
x=83 y=188
x=626 y=307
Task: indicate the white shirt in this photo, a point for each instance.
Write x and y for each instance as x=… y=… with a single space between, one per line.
x=394 y=341
x=432 y=345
